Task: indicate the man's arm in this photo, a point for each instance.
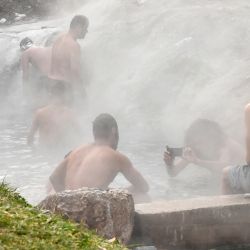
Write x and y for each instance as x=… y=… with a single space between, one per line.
x=139 y=184
x=33 y=130
x=57 y=178
x=247 y=124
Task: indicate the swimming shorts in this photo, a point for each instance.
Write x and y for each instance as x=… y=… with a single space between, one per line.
x=239 y=178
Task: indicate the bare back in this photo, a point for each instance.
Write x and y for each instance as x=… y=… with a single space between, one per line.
x=39 y=57
x=57 y=125
x=95 y=166
x=63 y=56
x=92 y=166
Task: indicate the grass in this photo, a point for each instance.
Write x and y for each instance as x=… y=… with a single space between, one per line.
x=25 y=227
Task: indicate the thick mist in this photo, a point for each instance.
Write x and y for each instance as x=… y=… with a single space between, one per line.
x=156 y=66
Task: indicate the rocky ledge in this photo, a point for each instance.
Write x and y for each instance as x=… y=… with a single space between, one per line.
x=21 y=10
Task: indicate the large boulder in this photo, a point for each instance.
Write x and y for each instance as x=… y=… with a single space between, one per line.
x=110 y=213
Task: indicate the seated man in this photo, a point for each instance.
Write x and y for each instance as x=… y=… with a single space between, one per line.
x=35 y=63
x=237 y=179
x=56 y=123
x=96 y=165
x=206 y=145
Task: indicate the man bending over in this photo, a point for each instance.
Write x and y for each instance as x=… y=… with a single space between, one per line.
x=35 y=63
x=96 y=165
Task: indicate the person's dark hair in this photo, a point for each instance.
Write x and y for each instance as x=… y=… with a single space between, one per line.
x=103 y=125
x=78 y=20
x=207 y=133
x=25 y=43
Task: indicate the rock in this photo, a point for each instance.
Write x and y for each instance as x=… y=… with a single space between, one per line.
x=19 y=17
x=110 y=213
x=3 y=20
x=34 y=9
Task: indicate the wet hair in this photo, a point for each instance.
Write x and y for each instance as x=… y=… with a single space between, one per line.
x=103 y=125
x=79 y=20
x=25 y=43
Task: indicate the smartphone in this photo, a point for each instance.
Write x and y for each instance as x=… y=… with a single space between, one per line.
x=175 y=152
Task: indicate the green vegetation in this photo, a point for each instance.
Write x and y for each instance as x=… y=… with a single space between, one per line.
x=25 y=227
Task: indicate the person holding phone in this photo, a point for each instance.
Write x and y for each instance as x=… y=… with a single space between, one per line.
x=206 y=145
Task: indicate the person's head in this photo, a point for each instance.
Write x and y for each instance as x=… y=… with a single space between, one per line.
x=58 y=92
x=79 y=26
x=105 y=128
x=206 y=138
x=25 y=43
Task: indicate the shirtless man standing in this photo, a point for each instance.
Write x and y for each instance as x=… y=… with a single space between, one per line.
x=66 y=57
x=36 y=81
x=96 y=165
x=237 y=179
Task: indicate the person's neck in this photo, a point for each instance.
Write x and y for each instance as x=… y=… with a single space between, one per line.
x=101 y=142
x=72 y=34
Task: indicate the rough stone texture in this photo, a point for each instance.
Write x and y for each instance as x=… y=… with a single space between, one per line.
x=199 y=223
x=110 y=213
x=10 y=9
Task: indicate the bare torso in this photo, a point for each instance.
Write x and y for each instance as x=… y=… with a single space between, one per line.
x=57 y=125
x=92 y=166
x=39 y=57
x=61 y=63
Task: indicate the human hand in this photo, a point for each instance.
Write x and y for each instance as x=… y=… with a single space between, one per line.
x=168 y=158
x=189 y=155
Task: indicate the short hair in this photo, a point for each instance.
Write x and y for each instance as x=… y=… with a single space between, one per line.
x=103 y=125
x=25 y=43
x=79 y=20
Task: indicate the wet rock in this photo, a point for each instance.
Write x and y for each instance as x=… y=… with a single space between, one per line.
x=21 y=10
x=110 y=213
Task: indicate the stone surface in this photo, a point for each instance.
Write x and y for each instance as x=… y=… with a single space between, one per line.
x=19 y=10
x=110 y=213
x=199 y=223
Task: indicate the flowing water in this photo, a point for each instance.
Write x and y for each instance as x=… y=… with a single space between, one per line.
x=156 y=66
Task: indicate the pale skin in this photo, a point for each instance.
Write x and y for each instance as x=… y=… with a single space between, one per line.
x=230 y=154
x=38 y=57
x=96 y=166
x=53 y=123
x=66 y=57
x=226 y=188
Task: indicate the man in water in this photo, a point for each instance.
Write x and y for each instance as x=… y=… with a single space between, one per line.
x=206 y=145
x=237 y=179
x=57 y=124
x=66 y=57
x=96 y=165
x=35 y=80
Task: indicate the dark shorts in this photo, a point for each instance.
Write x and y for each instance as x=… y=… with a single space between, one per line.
x=239 y=179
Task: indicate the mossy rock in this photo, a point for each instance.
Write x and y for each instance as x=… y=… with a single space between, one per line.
x=25 y=227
